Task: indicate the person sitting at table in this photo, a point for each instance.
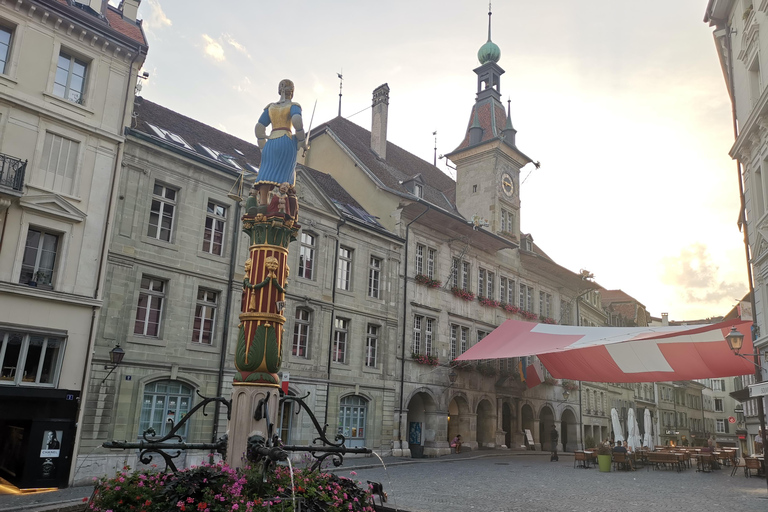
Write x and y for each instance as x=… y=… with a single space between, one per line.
x=630 y=457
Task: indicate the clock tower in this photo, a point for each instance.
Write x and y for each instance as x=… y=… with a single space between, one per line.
x=488 y=161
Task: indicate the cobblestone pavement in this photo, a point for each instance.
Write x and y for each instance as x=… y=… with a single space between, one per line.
x=531 y=483
x=495 y=481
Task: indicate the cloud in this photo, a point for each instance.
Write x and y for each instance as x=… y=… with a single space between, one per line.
x=213 y=48
x=157 y=18
x=243 y=85
x=696 y=277
x=234 y=44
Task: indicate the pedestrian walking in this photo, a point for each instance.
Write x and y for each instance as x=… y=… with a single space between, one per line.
x=554 y=437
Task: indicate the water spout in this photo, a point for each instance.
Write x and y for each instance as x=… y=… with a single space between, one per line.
x=386 y=472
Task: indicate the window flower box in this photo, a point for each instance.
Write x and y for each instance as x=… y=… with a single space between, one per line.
x=428 y=281
x=546 y=320
x=550 y=381
x=491 y=303
x=529 y=315
x=461 y=365
x=463 y=294
x=509 y=308
x=569 y=385
x=426 y=359
x=486 y=370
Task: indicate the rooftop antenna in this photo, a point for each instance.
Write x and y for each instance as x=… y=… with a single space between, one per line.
x=341 y=80
x=435 y=159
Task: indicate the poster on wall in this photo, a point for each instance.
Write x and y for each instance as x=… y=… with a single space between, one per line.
x=414 y=432
x=51 y=444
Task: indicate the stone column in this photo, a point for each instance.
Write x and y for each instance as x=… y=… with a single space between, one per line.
x=535 y=432
x=259 y=342
x=500 y=432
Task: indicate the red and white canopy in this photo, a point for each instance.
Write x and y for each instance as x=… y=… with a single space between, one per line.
x=620 y=354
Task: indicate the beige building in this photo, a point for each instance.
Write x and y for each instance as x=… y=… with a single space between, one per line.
x=67 y=76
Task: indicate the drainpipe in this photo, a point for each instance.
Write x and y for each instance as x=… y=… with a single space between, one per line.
x=227 y=314
x=96 y=310
x=402 y=351
x=333 y=318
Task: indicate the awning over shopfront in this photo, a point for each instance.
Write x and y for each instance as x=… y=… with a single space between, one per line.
x=620 y=354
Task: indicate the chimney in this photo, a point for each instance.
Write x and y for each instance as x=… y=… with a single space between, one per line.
x=96 y=5
x=129 y=8
x=379 y=120
x=665 y=319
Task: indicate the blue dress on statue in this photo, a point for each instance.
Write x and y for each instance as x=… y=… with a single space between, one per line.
x=278 y=157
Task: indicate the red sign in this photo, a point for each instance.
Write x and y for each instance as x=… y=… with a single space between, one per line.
x=731 y=419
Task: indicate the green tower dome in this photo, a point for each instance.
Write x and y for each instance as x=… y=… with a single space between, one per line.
x=489 y=52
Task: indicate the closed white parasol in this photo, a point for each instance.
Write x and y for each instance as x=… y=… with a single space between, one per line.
x=617 y=432
x=633 y=438
x=648 y=437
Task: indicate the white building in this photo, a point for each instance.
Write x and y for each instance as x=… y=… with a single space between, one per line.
x=743 y=56
x=67 y=77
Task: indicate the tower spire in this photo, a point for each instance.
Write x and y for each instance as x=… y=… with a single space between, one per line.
x=490 y=13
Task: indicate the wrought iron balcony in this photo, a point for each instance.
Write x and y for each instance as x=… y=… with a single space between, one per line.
x=12 y=174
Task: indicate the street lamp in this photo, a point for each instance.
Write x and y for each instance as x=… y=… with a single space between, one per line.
x=735 y=342
x=566 y=395
x=452 y=377
x=116 y=356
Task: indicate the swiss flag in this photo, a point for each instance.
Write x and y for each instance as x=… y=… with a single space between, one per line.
x=533 y=377
x=284 y=379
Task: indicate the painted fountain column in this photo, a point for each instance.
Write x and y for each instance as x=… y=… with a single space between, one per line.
x=270 y=221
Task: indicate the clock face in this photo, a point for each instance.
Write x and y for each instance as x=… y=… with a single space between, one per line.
x=507 y=184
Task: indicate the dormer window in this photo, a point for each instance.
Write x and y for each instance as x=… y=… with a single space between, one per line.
x=221 y=157
x=169 y=136
x=526 y=244
x=418 y=190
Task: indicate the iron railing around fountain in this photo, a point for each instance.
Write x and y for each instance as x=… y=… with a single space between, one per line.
x=267 y=448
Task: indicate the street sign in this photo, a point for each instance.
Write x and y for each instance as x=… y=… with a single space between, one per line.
x=760 y=389
x=731 y=419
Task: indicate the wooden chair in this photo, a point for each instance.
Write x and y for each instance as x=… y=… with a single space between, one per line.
x=620 y=461
x=751 y=463
x=580 y=460
x=738 y=463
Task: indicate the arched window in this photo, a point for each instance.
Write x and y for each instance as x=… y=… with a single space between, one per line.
x=352 y=413
x=165 y=403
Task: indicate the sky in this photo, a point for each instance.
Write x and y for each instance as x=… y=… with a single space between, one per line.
x=623 y=104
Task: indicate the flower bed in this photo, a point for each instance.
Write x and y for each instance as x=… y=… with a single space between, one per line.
x=428 y=281
x=220 y=488
x=425 y=359
x=462 y=293
x=485 y=301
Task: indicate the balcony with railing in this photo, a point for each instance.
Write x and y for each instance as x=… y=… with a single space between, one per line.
x=12 y=175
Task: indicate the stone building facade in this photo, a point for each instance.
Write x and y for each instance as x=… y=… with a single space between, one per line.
x=67 y=76
x=743 y=52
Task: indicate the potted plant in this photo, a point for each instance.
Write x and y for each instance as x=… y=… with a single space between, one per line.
x=604 y=457
x=38 y=277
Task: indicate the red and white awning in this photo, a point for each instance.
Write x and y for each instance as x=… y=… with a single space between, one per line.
x=620 y=354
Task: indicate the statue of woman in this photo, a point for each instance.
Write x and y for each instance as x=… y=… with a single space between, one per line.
x=278 y=151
